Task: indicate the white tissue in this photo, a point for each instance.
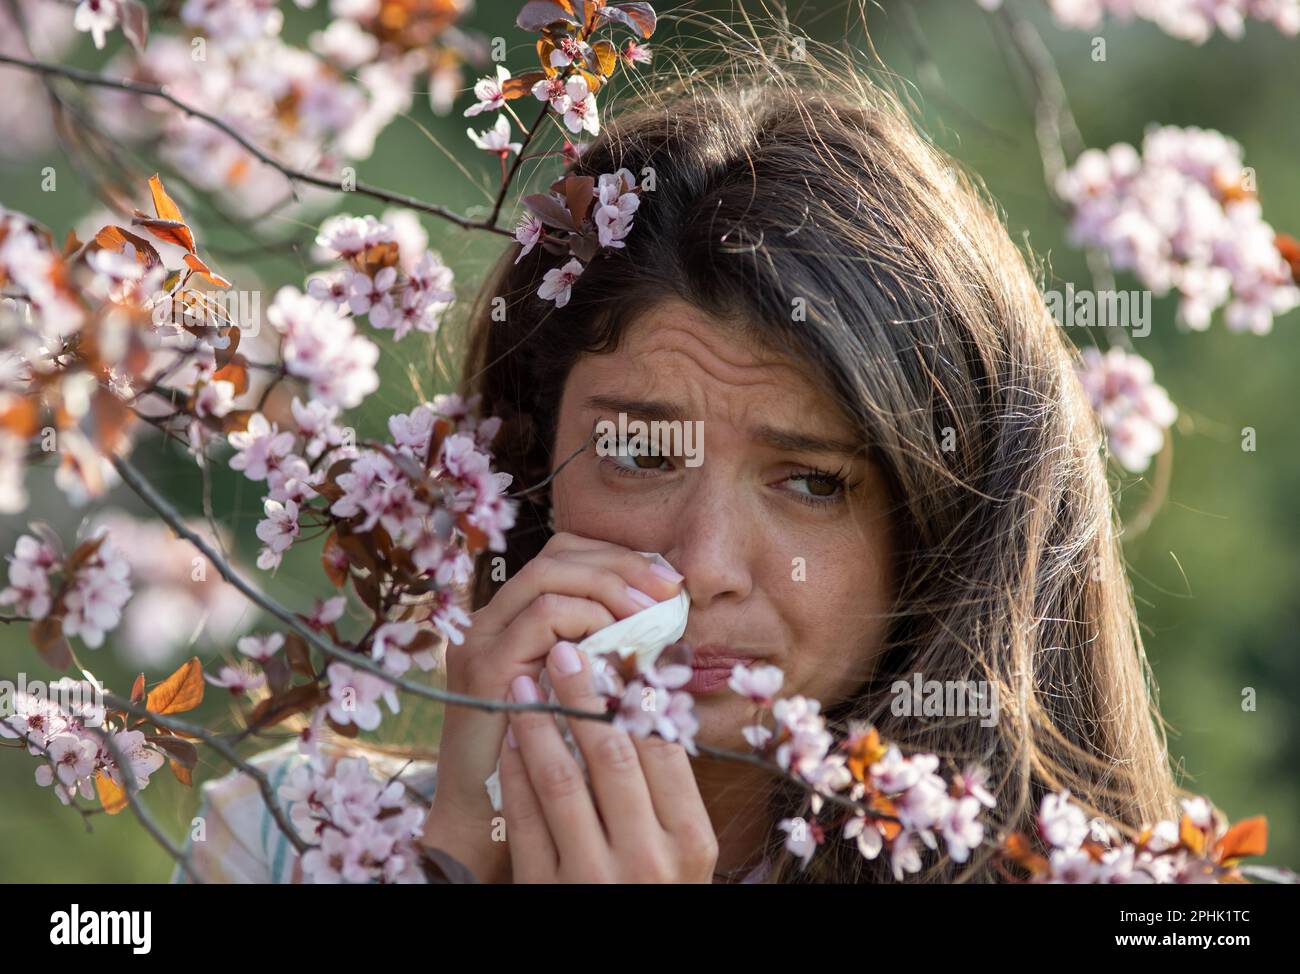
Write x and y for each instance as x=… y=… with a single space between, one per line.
x=644 y=634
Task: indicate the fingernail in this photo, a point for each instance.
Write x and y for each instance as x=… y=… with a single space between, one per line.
x=567 y=660
x=667 y=573
x=524 y=689
x=640 y=598
x=510 y=738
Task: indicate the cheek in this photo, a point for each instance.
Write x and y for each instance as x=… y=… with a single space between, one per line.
x=583 y=506
x=839 y=623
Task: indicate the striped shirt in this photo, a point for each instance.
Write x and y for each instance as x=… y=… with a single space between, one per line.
x=241 y=841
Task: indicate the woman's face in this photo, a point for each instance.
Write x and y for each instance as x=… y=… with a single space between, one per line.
x=783 y=539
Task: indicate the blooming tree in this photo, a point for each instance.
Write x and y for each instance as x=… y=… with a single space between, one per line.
x=123 y=336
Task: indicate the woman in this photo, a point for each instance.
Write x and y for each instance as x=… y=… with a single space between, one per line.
x=900 y=476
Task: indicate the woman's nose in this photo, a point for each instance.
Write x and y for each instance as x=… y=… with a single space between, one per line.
x=713 y=537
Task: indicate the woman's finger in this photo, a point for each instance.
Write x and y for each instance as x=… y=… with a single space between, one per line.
x=623 y=580
x=548 y=620
x=678 y=805
x=622 y=794
x=533 y=857
x=560 y=785
x=573 y=575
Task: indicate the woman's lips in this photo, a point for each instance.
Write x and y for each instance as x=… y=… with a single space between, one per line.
x=710 y=670
x=707 y=679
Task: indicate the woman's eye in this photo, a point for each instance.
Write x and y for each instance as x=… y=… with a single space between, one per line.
x=635 y=463
x=823 y=488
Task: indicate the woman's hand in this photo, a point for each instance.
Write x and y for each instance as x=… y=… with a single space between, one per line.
x=642 y=820
x=573 y=587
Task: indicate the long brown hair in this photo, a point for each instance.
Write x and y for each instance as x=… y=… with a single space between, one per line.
x=779 y=177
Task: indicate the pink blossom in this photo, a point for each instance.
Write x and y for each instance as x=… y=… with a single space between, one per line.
x=364 y=291
x=97 y=18
x=760 y=683
x=634 y=53
x=277 y=531
x=528 y=233
x=1062 y=823
x=355 y=696
x=1178 y=217
x=327 y=611
x=261 y=648
x=237 y=679
x=259 y=447
x=142 y=758
x=349 y=236
x=322 y=348
x=29 y=577
x=801 y=838
x=1134 y=411
x=496 y=139
x=93 y=604
x=488 y=91
x=581 y=113
x=557 y=283
x=316 y=425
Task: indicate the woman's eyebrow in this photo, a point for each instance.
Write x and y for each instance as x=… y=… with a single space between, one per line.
x=780 y=439
x=805 y=442
x=641 y=408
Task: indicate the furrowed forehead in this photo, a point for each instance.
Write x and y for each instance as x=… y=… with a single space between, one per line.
x=794 y=441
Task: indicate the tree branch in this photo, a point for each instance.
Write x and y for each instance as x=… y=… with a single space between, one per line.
x=296 y=175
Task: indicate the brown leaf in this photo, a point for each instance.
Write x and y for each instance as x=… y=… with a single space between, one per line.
x=115 y=239
x=236 y=421
x=550 y=211
x=639 y=16
x=47 y=636
x=182 y=773
x=232 y=333
x=584 y=247
x=183 y=752
x=343 y=730
x=537 y=14
x=137 y=689
x=337 y=574
x=181 y=691
x=298 y=655
x=83 y=553
x=274 y=709
x=579 y=197
x=522 y=85
x=1248 y=837
x=368 y=589
x=22 y=417
x=475 y=539
x=1289 y=248
x=236 y=373
x=163 y=205
x=278 y=675
x=196 y=263
x=135 y=24
x=1190 y=836
x=111 y=796
x=112 y=418
x=168 y=231
x=606 y=56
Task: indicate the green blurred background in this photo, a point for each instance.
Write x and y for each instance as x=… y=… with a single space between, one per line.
x=1216 y=573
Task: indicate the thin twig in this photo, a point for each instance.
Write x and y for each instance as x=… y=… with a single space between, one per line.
x=149 y=494
x=133 y=799
x=223 y=747
x=296 y=175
